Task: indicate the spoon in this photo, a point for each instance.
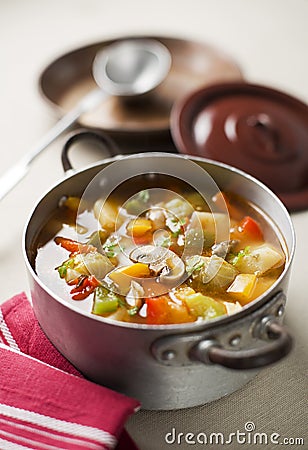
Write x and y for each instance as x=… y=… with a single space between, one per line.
x=126 y=68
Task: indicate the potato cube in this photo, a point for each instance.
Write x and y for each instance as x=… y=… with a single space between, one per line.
x=260 y=260
x=215 y=226
x=242 y=287
x=106 y=213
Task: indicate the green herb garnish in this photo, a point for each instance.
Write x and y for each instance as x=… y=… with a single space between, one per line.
x=163 y=241
x=194 y=264
x=236 y=258
x=175 y=225
x=110 y=247
x=133 y=311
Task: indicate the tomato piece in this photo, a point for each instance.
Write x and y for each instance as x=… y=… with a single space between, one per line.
x=92 y=281
x=84 y=287
x=157 y=309
x=81 y=295
x=73 y=246
x=250 y=227
x=143 y=240
x=162 y=310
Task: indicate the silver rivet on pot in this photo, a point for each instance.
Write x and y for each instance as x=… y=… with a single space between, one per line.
x=280 y=311
x=168 y=355
x=235 y=340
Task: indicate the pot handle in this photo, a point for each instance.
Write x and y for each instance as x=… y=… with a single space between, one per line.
x=209 y=352
x=84 y=134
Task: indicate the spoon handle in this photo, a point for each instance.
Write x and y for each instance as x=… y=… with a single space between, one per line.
x=16 y=173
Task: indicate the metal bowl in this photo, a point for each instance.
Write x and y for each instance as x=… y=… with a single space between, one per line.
x=167 y=366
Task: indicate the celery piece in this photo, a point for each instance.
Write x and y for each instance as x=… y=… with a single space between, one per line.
x=203 y=306
x=105 y=301
x=134 y=206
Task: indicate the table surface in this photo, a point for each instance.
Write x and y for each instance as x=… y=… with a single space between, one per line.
x=269 y=40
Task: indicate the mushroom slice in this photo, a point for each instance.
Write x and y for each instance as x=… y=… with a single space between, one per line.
x=157 y=268
x=163 y=262
x=149 y=254
x=174 y=271
x=223 y=248
x=134 y=295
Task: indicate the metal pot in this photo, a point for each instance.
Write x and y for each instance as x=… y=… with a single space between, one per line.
x=166 y=366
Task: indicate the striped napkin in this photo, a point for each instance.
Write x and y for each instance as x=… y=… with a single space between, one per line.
x=45 y=403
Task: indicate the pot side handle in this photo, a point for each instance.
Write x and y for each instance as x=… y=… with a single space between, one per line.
x=83 y=134
x=279 y=346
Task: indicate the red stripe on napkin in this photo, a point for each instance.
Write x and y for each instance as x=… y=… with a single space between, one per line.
x=45 y=435
x=44 y=407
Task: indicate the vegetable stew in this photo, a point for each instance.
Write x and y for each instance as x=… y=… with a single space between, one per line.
x=153 y=255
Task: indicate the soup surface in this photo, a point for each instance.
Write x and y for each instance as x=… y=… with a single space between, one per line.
x=158 y=255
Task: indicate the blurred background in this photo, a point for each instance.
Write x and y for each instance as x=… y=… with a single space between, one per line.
x=266 y=38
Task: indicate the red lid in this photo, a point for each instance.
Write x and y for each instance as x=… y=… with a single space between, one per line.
x=254 y=128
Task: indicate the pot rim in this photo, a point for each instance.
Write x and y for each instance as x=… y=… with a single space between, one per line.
x=247 y=309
